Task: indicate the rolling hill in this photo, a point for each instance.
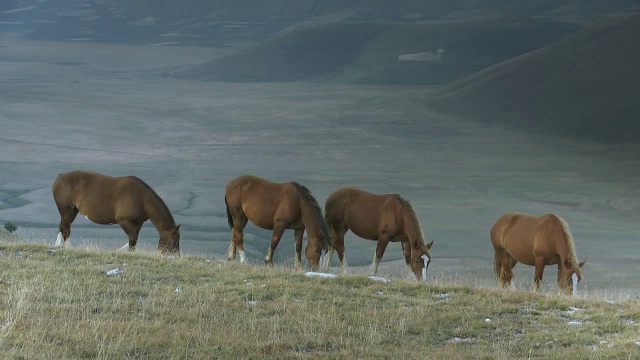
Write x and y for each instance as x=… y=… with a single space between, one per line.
x=239 y=22
x=584 y=85
x=430 y=52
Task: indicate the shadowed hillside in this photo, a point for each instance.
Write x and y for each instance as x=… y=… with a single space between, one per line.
x=234 y=22
x=585 y=85
x=433 y=52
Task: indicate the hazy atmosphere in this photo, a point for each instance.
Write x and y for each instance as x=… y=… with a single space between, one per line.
x=467 y=110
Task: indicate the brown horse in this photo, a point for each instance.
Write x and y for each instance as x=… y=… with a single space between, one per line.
x=126 y=201
x=376 y=217
x=537 y=241
x=275 y=206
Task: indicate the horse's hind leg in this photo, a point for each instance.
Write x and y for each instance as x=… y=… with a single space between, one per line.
x=506 y=273
x=237 y=237
x=67 y=215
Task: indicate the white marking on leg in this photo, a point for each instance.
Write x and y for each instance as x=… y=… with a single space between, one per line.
x=125 y=247
x=243 y=259
x=374 y=265
x=59 y=239
x=231 y=254
x=343 y=264
x=326 y=260
x=298 y=262
x=269 y=257
x=574 y=280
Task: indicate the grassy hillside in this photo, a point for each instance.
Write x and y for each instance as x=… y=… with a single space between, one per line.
x=585 y=85
x=62 y=304
x=433 y=52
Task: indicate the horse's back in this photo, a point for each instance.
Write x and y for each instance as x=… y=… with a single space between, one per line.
x=522 y=235
x=247 y=187
x=261 y=200
x=81 y=187
x=362 y=212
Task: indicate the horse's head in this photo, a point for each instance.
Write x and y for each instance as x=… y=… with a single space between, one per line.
x=170 y=241
x=420 y=260
x=315 y=244
x=569 y=275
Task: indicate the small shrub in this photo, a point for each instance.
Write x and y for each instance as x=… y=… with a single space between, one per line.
x=10 y=227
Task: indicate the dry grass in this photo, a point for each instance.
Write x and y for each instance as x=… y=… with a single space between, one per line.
x=63 y=305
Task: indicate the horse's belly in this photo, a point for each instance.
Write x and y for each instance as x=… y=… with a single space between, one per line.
x=262 y=223
x=102 y=220
x=363 y=233
x=524 y=256
x=99 y=216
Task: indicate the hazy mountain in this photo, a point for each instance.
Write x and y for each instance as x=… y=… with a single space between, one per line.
x=430 y=52
x=585 y=85
x=226 y=22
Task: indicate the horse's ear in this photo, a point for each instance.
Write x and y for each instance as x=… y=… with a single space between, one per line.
x=178 y=227
x=582 y=263
x=430 y=244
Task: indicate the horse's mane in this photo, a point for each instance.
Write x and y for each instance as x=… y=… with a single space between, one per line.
x=414 y=223
x=313 y=204
x=155 y=194
x=573 y=259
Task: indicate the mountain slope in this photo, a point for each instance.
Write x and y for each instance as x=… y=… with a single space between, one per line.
x=585 y=85
x=429 y=52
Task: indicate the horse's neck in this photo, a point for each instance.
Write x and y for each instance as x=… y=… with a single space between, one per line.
x=158 y=212
x=414 y=234
x=310 y=219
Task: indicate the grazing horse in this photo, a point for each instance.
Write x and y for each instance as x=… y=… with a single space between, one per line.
x=376 y=217
x=275 y=206
x=537 y=241
x=126 y=201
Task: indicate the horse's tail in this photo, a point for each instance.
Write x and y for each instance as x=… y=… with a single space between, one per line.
x=497 y=267
x=229 y=217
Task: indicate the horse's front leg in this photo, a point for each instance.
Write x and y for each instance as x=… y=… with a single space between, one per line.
x=383 y=241
x=298 y=236
x=278 y=230
x=132 y=229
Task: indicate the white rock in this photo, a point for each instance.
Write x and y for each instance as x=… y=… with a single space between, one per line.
x=319 y=274
x=114 y=272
